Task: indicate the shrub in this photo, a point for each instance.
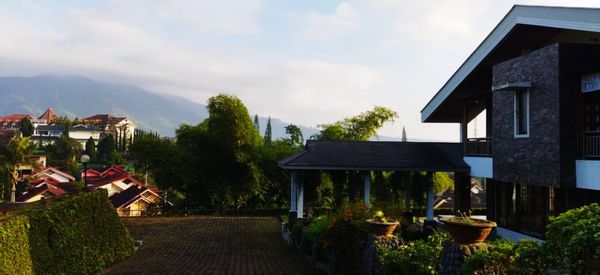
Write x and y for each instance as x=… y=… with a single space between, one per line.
x=73 y=235
x=573 y=237
x=506 y=257
x=296 y=230
x=417 y=257
x=317 y=229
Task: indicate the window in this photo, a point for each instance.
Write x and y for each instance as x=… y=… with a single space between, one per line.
x=522 y=113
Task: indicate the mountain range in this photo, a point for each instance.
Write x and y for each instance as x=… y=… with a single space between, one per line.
x=76 y=96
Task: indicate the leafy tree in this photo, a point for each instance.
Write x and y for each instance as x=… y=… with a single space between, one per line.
x=268 y=133
x=157 y=156
x=26 y=127
x=65 y=122
x=295 y=134
x=256 y=124
x=64 y=154
x=360 y=127
x=13 y=154
x=106 y=146
x=218 y=166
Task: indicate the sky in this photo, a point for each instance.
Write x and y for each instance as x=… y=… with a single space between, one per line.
x=306 y=62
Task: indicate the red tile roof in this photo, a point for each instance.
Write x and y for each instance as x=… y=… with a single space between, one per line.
x=103 y=119
x=113 y=174
x=49 y=115
x=14 y=118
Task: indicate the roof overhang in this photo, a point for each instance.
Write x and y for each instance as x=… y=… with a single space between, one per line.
x=537 y=25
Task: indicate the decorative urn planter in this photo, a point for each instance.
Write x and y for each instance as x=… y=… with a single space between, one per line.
x=467 y=230
x=382 y=228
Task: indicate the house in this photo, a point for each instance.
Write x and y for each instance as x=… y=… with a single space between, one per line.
x=41 y=191
x=82 y=133
x=537 y=77
x=13 y=121
x=114 y=179
x=56 y=175
x=119 y=127
x=47 y=134
x=7 y=135
x=48 y=116
x=134 y=201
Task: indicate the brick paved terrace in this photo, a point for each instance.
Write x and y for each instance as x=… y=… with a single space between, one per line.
x=210 y=245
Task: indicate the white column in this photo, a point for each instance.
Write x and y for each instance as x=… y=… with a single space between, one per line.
x=367 y=189
x=293 y=189
x=429 y=196
x=301 y=200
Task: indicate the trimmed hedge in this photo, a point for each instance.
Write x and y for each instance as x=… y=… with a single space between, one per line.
x=79 y=234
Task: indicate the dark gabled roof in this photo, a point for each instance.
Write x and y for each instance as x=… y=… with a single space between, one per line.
x=378 y=156
x=85 y=128
x=129 y=195
x=50 y=128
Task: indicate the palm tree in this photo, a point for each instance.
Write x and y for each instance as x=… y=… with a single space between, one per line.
x=12 y=155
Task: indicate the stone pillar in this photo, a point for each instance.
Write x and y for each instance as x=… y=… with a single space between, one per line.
x=462 y=192
x=293 y=189
x=367 y=189
x=430 y=196
x=300 y=200
x=454 y=255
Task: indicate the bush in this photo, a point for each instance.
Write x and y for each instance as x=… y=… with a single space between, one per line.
x=506 y=257
x=573 y=237
x=418 y=257
x=296 y=230
x=317 y=229
x=73 y=235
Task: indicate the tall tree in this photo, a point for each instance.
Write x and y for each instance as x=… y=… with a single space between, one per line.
x=360 y=127
x=12 y=155
x=295 y=134
x=403 y=134
x=268 y=133
x=256 y=124
x=26 y=127
x=106 y=146
x=90 y=148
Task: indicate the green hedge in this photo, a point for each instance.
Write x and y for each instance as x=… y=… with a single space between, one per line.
x=79 y=234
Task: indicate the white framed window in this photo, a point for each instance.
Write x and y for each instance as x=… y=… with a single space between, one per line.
x=521 y=113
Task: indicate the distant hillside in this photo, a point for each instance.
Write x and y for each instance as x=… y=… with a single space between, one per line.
x=81 y=97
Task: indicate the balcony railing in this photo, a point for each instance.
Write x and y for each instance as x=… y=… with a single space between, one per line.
x=479 y=147
x=591 y=145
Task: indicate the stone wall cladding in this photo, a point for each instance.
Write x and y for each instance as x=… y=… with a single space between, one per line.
x=534 y=160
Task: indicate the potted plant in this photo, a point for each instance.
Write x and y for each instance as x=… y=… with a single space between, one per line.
x=466 y=230
x=380 y=225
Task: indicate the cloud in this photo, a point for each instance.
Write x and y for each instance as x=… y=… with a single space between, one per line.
x=317 y=26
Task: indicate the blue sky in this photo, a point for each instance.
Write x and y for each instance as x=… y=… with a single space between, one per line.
x=307 y=62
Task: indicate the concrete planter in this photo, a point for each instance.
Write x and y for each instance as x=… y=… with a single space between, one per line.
x=474 y=231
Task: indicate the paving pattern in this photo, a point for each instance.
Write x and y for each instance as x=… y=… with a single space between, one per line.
x=210 y=245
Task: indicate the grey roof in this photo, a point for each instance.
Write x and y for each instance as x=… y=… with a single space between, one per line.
x=378 y=155
x=50 y=128
x=85 y=128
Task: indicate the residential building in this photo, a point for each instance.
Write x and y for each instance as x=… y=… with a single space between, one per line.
x=48 y=116
x=41 y=191
x=55 y=174
x=119 y=127
x=537 y=77
x=47 y=134
x=134 y=201
x=82 y=133
x=13 y=121
x=114 y=179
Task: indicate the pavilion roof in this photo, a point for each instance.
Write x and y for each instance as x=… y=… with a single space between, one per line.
x=378 y=156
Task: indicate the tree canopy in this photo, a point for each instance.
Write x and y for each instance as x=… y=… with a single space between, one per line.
x=26 y=127
x=360 y=127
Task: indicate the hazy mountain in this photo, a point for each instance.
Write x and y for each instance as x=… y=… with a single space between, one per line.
x=81 y=97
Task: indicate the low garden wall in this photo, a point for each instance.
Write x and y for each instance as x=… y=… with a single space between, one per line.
x=79 y=234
